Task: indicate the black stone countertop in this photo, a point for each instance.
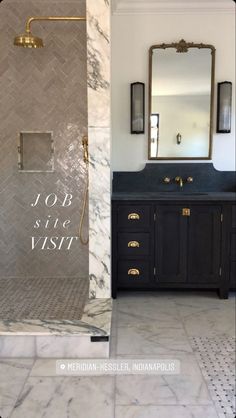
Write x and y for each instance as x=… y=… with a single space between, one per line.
x=148 y=183
x=176 y=196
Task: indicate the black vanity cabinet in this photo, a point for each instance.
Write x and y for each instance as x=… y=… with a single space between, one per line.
x=171 y=245
x=233 y=249
x=205 y=244
x=188 y=242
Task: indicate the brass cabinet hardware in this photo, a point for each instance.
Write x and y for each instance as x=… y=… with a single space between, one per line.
x=186 y=212
x=133 y=216
x=190 y=180
x=133 y=272
x=167 y=180
x=133 y=244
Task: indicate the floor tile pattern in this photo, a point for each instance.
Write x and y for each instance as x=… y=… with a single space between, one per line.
x=160 y=325
x=43 y=298
x=216 y=357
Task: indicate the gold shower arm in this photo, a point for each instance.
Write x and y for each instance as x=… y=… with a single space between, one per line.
x=27 y=40
x=52 y=18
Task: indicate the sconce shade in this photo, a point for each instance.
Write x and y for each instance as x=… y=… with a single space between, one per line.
x=224 y=104
x=137 y=108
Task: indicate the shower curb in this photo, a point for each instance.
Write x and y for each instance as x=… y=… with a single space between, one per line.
x=60 y=338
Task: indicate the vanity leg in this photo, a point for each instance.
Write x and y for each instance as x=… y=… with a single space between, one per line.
x=223 y=292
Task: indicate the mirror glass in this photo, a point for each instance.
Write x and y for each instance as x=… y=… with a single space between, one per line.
x=181 y=100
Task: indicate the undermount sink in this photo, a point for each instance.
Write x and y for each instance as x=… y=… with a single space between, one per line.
x=180 y=193
x=194 y=194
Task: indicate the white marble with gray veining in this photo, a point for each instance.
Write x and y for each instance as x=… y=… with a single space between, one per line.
x=157 y=312
x=13 y=374
x=186 y=388
x=17 y=346
x=149 y=340
x=66 y=397
x=217 y=315
x=55 y=346
x=96 y=321
x=185 y=395
x=55 y=339
x=98 y=59
x=99 y=213
x=166 y=411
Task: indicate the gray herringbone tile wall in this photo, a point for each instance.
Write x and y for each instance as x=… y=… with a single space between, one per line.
x=42 y=90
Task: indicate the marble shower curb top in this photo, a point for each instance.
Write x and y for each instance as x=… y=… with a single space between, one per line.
x=96 y=321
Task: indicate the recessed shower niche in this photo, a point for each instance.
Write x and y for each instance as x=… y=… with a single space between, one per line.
x=36 y=152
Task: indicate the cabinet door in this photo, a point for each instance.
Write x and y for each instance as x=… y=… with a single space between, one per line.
x=204 y=242
x=171 y=236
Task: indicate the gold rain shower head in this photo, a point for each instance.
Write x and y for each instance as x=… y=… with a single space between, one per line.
x=27 y=40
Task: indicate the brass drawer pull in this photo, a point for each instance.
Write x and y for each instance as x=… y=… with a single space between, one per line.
x=133 y=244
x=186 y=212
x=133 y=216
x=133 y=272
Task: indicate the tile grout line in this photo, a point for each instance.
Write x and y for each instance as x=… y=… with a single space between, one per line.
x=22 y=388
x=194 y=353
x=115 y=354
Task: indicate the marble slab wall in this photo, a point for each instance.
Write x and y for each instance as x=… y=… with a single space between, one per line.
x=98 y=53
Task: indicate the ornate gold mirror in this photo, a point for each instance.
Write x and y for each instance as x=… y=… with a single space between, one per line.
x=181 y=89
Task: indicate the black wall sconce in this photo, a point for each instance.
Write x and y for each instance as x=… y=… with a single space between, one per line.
x=224 y=105
x=137 y=108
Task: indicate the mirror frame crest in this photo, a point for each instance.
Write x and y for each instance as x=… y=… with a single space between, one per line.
x=182 y=47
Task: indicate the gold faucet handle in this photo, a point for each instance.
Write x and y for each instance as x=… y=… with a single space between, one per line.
x=167 y=180
x=179 y=180
x=190 y=180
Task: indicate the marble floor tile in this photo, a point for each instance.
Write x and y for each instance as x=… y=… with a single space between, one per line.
x=66 y=398
x=187 y=388
x=207 y=319
x=165 y=412
x=151 y=340
x=44 y=368
x=145 y=297
x=164 y=314
x=162 y=390
x=13 y=374
x=199 y=296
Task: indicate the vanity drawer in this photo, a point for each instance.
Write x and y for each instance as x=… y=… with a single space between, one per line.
x=133 y=272
x=133 y=216
x=133 y=244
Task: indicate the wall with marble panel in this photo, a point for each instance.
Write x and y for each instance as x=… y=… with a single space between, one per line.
x=98 y=32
